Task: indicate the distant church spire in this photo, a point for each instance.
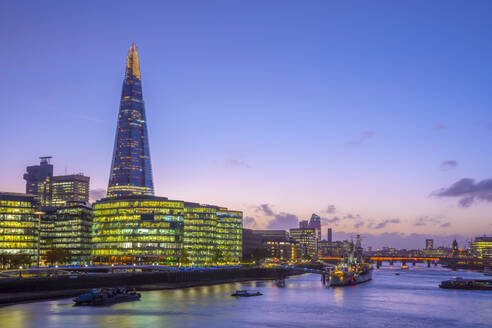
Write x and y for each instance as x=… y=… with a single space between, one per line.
x=131 y=170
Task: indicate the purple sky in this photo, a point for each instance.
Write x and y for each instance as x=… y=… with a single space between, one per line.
x=381 y=110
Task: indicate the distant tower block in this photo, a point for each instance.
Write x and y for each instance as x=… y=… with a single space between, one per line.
x=330 y=235
x=429 y=244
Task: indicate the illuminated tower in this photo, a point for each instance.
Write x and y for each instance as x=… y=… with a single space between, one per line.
x=131 y=172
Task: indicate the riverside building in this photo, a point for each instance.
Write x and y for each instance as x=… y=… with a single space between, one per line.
x=73 y=232
x=132 y=225
x=481 y=247
x=18 y=225
x=138 y=229
x=305 y=238
x=229 y=236
x=199 y=235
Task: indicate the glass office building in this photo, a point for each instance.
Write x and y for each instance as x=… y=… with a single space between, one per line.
x=137 y=229
x=61 y=190
x=131 y=171
x=200 y=226
x=73 y=232
x=69 y=189
x=18 y=224
x=481 y=247
x=229 y=237
x=305 y=238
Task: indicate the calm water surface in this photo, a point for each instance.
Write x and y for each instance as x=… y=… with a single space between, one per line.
x=411 y=299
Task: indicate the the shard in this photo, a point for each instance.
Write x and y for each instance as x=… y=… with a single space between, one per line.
x=131 y=171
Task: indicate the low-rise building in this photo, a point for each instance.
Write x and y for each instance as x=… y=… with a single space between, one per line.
x=280 y=251
x=251 y=241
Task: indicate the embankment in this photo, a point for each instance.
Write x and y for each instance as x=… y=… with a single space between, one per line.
x=14 y=290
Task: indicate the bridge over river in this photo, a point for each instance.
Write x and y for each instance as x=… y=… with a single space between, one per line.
x=391 y=259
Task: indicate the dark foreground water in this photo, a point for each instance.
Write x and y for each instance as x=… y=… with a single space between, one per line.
x=411 y=299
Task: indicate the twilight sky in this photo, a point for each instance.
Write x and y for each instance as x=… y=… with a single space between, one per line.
x=377 y=115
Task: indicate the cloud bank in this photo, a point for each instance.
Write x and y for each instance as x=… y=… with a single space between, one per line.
x=362 y=138
x=96 y=194
x=280 y=221
x=448 y=164
x=468 y=191
x=249 y=222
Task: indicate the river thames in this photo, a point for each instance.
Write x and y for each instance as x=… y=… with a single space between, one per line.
x=411 y=299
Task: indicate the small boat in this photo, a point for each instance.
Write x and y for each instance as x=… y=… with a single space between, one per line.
x=473 y=284
x=397 y=274
x=107 y=296
x=404 y=267
x=246 y=293
x=280 y=283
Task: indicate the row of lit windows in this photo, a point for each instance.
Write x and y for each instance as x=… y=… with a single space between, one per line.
x=133 y=211
x=158 y=205
x=17 y=245
x=103 y=231
x=138 y=252
x=11 y=203
x=18 y=238
x=137 y=218
x=134 y=239
x=202 y=241
x=17 y=224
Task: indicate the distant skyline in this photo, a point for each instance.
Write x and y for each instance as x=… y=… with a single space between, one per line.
x=376 y=116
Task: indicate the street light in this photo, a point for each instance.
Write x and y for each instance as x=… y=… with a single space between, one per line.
x=39 y=213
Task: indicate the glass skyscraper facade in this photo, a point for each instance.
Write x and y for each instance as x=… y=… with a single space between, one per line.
x=131 y=171
x=73 y=232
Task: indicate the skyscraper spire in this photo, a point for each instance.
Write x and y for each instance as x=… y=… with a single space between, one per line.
x=131 y=171
x=132 y=66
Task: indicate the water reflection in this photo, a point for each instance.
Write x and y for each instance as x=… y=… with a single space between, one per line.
x=411 y=299
x=338 y=295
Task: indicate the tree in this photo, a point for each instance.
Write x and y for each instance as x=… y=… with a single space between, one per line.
x=15 y=260
x=184 y=258
x=5 y=260
x=218 y=256
x=56 y=256
x=259 y=254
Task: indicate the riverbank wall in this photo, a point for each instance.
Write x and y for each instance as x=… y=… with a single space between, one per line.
x=14 y=290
